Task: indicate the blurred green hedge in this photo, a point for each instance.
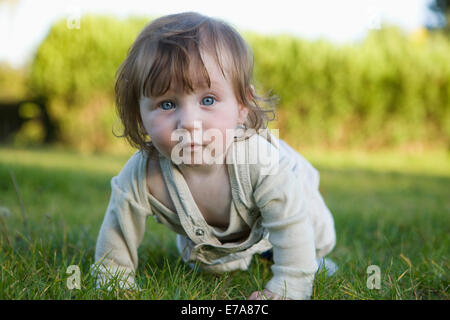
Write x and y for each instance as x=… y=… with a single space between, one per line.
x=75 y=70
x=390 y=90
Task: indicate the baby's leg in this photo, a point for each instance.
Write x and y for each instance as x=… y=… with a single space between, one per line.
x=324 y=263
x=184 y=249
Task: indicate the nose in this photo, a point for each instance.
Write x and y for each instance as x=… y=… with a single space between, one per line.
x=189 y=119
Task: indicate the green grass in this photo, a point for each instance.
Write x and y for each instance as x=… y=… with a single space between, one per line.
x=391 y=210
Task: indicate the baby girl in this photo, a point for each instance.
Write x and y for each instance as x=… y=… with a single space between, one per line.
x=207 y=166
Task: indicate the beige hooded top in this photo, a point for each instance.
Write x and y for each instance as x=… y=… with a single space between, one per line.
x=275 y=204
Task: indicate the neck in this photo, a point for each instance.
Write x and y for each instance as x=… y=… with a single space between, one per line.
x=204 y=170
x=192 y=171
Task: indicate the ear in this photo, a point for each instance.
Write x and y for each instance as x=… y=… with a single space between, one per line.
x=242 y=116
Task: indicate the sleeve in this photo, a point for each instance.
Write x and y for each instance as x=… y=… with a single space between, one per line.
x=282 y=204
x=120 y=235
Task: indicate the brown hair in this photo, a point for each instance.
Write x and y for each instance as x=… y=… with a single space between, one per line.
x=162 y=53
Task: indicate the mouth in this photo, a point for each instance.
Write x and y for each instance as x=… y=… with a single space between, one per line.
x=192 y=146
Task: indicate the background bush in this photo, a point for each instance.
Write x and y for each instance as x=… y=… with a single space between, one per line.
x=390 y=90
x=75 y=69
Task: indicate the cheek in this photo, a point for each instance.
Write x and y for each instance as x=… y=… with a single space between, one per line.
x=222 y=128
x=160 y=132
x=227 y=118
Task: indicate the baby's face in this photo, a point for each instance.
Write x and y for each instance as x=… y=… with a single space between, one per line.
x=206 y=116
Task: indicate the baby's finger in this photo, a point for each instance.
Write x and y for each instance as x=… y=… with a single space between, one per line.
x=254 y=296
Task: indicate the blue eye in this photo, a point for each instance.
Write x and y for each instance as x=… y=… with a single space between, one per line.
x=167 y=105
x=207 y=101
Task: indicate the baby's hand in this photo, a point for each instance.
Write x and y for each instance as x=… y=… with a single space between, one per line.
x=265 y=295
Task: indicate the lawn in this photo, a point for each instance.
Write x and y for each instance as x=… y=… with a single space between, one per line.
x=391 y=210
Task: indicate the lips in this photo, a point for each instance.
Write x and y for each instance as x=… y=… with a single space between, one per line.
x=192 y=145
